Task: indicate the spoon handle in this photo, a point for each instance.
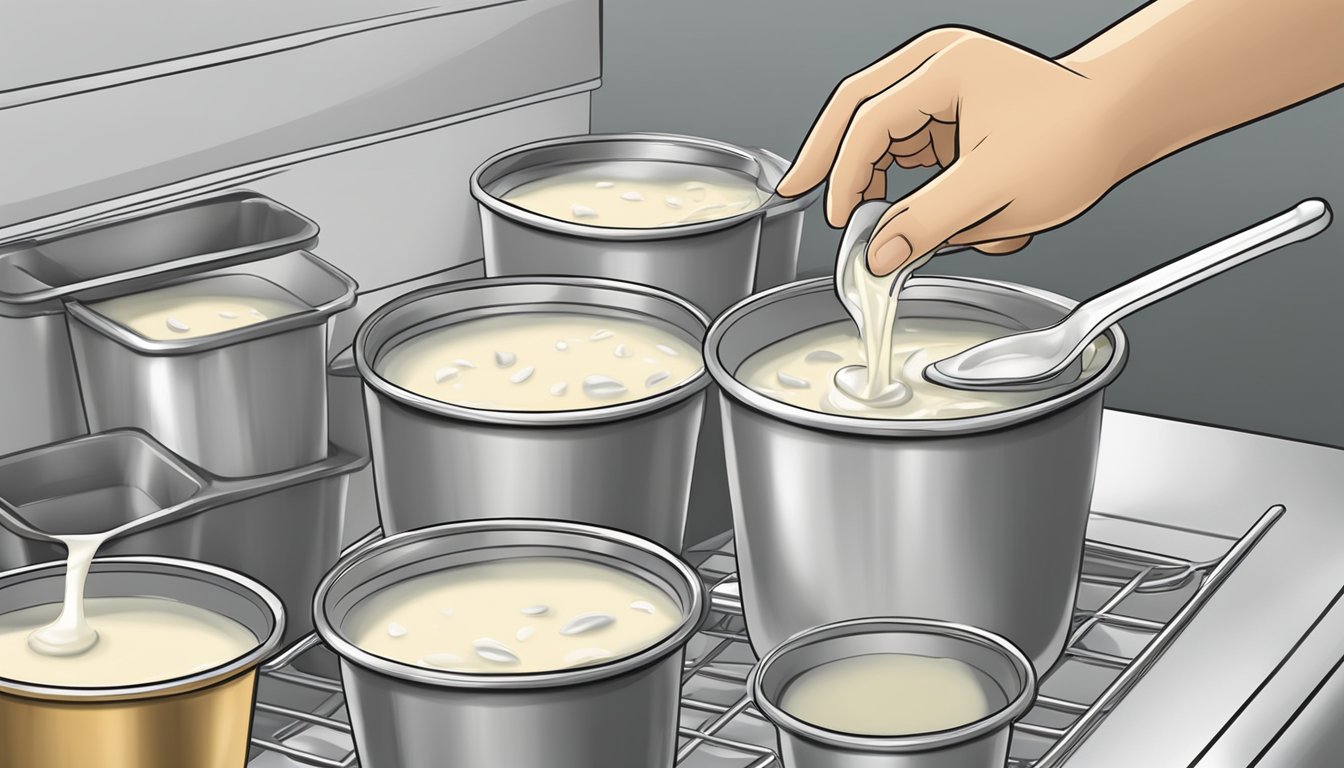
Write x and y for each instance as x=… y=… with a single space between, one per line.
x=1303 y=221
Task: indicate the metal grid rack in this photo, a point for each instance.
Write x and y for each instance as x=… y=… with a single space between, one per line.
x=1131 y=605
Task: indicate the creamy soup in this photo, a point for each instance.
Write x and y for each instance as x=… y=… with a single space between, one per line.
x=112 y=641
x=639 y=195
x=200 y=307
x=891 y=694
x=801 y=370
x=542 y=361
x=139 y=640
x=530 y=614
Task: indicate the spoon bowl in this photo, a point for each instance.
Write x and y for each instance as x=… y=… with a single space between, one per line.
x=853 y=255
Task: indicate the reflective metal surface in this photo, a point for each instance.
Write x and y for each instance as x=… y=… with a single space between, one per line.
x=41 y=396
x=982 y=743
x=210 y=232
x=1047 y=357
x=41 y=402
x=840 y=517
x=626 y=466
x=619 y=713
x=711 y=264
x=242 y=403
x=284 y=529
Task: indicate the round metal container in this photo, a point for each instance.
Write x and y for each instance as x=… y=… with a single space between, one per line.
x=627 y=466
x=202 y=720
x=623 y=712
x=710 y=263
x=976 y=520
x=980 y=744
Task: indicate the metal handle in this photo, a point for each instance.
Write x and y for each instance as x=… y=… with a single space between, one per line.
x=294 y=651
x=1305 y=220
x=215 y=492
x=776 y=205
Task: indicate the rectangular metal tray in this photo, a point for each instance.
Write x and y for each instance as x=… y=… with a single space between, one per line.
x=1132 y=604
x=112 y=478
x=205 y=233
x=283 y=529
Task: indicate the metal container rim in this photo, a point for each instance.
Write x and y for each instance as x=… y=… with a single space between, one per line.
x=778 y=205
x=741 y=393
x=305 y=238
x=517 y=158
x=693 y=614
x=391 y=311
x=342 y=297
x=219 y=576
x=1017 y=705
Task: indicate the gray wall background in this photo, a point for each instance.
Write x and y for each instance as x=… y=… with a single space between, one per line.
x=1257 y=348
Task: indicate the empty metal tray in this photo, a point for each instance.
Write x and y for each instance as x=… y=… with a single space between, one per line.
x=283 y=529
x=206 y=233
x=112 y=478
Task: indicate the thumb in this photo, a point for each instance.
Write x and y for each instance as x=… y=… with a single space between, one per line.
x=922 y=221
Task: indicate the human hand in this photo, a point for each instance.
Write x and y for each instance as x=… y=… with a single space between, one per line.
x=1026 y=144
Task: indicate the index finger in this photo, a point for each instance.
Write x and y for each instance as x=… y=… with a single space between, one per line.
x=823 y=140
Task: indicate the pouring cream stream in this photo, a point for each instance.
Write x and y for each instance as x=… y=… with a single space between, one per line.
x=70 y=634
x=872 y=385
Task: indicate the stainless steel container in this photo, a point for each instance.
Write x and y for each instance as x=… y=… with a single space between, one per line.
x=283 y=529
x=245 y=402
x=626 y=466
x=202 y=720
x=711 y=263
x=41 y=395
x=1009 y=684
x=976 y=520
x=611 y=715
x=41 y=391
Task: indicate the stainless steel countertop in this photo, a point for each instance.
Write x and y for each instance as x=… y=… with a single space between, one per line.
x=1256 y=652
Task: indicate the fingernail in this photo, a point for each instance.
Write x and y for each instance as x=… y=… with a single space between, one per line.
x=890 y=256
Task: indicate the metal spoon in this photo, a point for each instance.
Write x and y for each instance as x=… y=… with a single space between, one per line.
x=857 y=234
x=1050 y=356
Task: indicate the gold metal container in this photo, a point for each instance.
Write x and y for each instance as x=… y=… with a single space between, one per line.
x=198 y=721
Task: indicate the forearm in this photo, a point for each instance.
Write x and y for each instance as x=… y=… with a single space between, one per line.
x=1179 y=71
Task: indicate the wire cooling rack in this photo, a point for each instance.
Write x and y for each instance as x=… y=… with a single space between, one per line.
x=1132 y=604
